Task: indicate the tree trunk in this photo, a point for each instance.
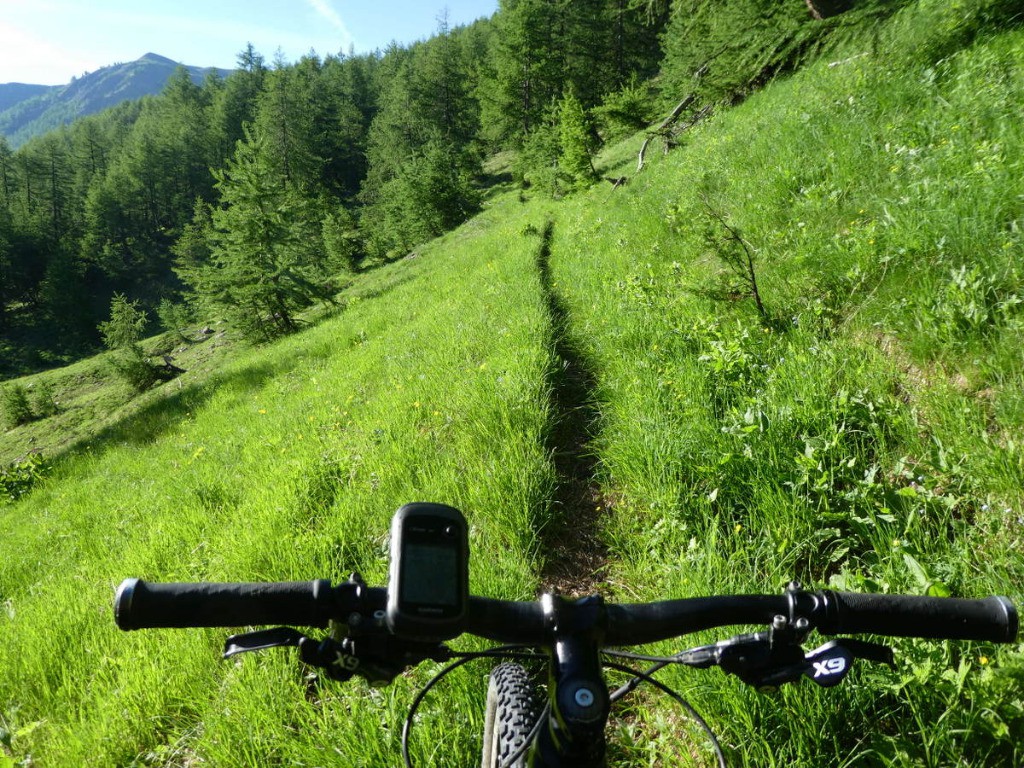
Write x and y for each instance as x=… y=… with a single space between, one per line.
x=823 y=9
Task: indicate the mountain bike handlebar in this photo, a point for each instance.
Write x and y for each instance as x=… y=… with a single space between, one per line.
x=143 y=605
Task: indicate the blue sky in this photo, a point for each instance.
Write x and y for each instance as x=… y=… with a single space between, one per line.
x=50 y=41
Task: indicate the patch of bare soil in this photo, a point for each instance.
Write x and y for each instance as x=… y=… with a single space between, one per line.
x=576 y=558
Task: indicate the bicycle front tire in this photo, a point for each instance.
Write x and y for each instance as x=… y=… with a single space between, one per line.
x=509 y=718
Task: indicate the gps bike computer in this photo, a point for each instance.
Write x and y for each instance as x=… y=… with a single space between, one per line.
x=428 y=588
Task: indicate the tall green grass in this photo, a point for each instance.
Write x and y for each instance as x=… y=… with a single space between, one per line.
x=866 y=435
x=287 y=467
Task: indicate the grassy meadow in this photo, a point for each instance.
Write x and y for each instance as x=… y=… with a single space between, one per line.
x=289 y=462
x=866 y=432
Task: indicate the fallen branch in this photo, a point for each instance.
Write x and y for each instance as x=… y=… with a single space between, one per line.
x=662 y=129
x=666 y=131
x=675 y=113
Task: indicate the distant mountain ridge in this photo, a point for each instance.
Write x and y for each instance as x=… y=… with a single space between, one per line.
x=29 y=110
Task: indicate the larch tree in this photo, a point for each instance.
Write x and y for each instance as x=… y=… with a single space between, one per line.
x=267 y=259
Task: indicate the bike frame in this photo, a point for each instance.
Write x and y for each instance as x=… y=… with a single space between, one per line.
x=573 y=733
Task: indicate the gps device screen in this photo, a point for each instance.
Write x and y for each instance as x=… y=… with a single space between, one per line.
x=432 y=575
x=428 y=588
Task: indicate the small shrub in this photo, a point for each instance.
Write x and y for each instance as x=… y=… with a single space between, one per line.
x=726 y=241
x=15 y=406
x=626 y=111
x=971 y=305
x=44 y=402
x=576 y=142
x=174 y=318
x=18 y=478
x=126 y=325
x=537 y=165
x=121 y=334
x=131 y=365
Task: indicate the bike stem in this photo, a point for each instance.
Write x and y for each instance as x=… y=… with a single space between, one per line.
x=574 y=732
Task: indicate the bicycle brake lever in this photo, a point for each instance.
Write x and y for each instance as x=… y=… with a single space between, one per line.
x=379 y=659
x=706 y=656
x=278 y=637
x=329 y=655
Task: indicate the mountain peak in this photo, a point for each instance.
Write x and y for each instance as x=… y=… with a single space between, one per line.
x=28 y=110
x=156 y=58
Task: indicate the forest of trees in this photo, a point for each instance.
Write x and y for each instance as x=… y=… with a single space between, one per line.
x=247 y=197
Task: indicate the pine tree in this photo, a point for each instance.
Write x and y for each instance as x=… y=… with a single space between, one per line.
x=6 y=266
x=185 y=147
x=529 y=65
x=192 y=251
x=234 y=102
x=341 y=241
x=7 y=177
x=441 y=89
x=421 y=157
x=267 y=259
x=121 y=334
x=282 y=119
x=348 y=81
x=575 y=140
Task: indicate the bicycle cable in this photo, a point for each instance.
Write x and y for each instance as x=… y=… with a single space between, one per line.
x=501 y=651
x=662 y=662
x=521 y=652
x=645 y=677
x=665 y=660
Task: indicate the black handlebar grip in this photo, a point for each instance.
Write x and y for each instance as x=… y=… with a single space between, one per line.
x=143 y=605
x=937 y=618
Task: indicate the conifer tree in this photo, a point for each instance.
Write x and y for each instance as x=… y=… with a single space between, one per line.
x=266 y=250
x=529 y=68
x=575 y=141
x=121 y=334
x=420 y=152
x=234 y=102
x=6 y=294
x=6 y=174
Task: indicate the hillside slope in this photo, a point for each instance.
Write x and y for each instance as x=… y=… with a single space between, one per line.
x=31 y=110
x=11 y=94
x=865 y=433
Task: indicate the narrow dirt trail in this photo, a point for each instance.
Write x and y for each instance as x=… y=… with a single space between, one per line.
x=576 y=556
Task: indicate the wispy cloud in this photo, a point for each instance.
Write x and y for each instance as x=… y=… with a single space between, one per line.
x=324 y=9
x=48 y=41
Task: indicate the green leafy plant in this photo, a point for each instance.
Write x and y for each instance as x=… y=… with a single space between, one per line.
x=730 y=357
x=18 y=478
x=970 y=305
